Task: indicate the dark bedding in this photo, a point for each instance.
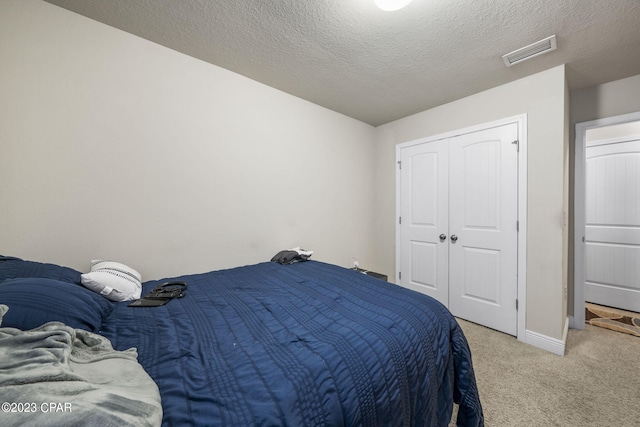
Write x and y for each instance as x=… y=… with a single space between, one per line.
x=300 y=345
x=307 y=344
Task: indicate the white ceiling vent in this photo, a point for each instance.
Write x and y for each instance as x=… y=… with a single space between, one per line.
x=528 y=52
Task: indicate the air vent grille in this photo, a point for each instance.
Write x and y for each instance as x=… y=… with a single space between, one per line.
x=528 y=52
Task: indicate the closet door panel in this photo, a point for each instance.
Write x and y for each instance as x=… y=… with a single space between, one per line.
x=424 y=207
x=483 y=215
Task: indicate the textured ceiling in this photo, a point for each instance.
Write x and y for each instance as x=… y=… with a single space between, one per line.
x=376 y=66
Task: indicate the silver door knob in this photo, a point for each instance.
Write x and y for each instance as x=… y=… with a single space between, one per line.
x=454 y=238
x=443 y=237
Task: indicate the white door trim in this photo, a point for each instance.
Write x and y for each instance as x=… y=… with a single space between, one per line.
x=521 y=120
x=578 y=318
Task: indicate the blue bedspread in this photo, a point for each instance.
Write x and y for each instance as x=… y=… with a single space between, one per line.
x=308 y=344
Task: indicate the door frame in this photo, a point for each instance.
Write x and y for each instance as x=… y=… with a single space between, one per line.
x=577 y=321
x=521 y=121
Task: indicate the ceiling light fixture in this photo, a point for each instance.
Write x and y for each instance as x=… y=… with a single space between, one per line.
x=391 y=5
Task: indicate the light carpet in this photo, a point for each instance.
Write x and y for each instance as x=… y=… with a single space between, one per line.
x=596 y=383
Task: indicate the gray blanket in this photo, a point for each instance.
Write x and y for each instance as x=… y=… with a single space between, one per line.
x=57 y=375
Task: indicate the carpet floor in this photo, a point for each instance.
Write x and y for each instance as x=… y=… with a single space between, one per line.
x=596 y=383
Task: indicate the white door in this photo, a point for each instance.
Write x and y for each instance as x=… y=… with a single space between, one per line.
x=612 y=234
x=483 y=203
x=458 y=236
x=425 y=216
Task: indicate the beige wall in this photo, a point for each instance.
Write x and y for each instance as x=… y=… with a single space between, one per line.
x=115 y=147
x=606 y=100
x=543 y=98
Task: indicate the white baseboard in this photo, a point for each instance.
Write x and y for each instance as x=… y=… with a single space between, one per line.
x=553 y=345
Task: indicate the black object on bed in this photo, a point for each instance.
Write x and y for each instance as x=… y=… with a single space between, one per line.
x=160 y=295
x=302 y=344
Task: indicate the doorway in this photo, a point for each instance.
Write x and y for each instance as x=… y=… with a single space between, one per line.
x=605 y=227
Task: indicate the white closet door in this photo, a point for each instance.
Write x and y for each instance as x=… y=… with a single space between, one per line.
x=483 y=195
x=424 y=198
x=612 y=235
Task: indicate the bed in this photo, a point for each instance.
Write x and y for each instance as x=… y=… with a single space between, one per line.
x=306 y=344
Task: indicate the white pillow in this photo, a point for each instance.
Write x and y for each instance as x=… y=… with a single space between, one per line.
x=113 y=280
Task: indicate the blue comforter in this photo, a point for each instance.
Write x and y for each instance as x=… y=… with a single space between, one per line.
x=308 y=344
